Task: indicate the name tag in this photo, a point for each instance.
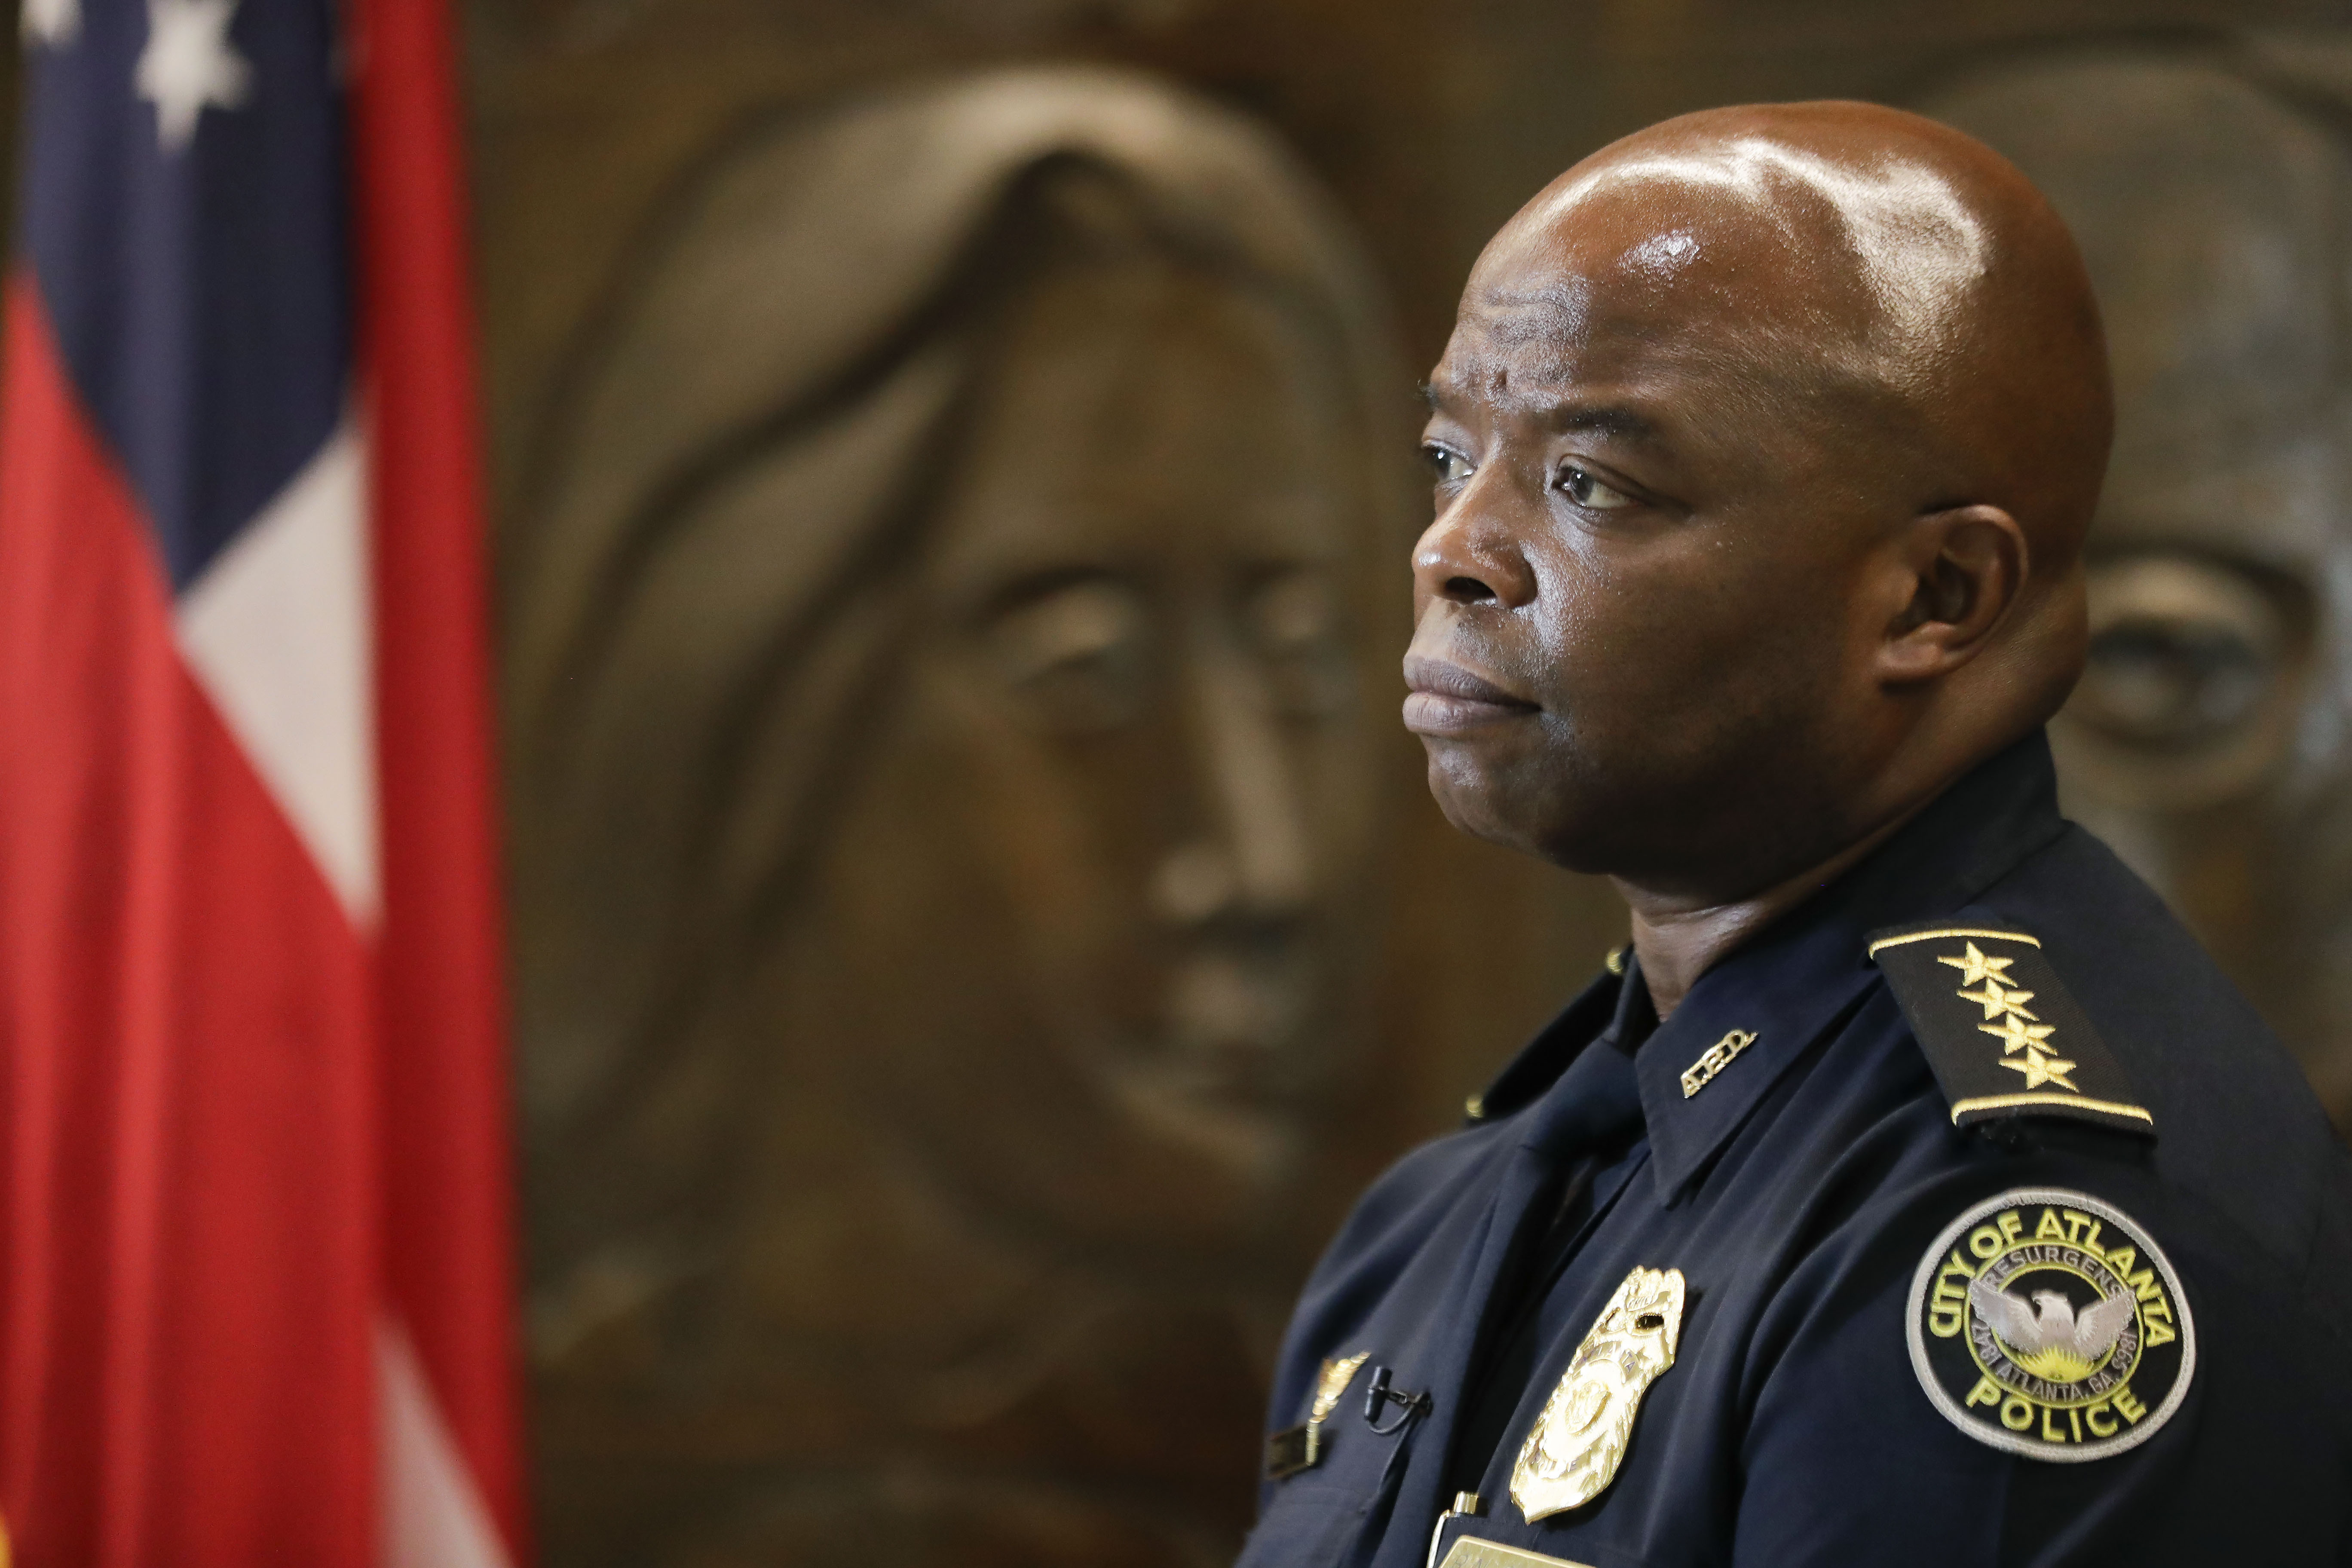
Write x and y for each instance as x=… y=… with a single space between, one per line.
x=1469 y=1552
x=1473 y=1553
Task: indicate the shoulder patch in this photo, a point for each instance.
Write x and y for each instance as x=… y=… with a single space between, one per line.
x=2047 y=1323
x=2004 y=1038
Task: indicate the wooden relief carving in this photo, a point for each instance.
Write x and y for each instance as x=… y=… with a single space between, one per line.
x=2211 y=738
x=945 y=653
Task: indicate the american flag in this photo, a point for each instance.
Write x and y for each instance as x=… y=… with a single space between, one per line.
x=254 y=1258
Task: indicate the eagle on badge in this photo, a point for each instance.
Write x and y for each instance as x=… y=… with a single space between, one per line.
x=2046 y=1336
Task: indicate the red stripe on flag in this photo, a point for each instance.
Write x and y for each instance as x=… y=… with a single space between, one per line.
x=186 y=1369
x=449 y=1166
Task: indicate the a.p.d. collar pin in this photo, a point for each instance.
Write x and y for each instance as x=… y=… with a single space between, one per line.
x=1701 y=1073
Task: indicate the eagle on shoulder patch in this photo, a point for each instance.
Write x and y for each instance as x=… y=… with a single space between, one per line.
x=2046 y=1336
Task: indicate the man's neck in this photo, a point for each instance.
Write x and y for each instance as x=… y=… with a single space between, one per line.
x=1680 y=939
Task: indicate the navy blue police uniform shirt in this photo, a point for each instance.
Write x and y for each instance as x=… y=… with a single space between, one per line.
x=1967 y=1216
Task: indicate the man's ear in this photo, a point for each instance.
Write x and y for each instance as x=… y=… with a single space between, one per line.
x=1957 y=574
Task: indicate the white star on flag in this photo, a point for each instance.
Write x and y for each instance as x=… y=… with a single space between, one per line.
x=55 y=23
x=188 y=66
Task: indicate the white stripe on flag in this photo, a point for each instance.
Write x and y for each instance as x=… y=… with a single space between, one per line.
x=433 y=1512
x=280 y=631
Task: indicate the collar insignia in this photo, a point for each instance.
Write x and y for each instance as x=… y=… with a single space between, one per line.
x=1701 y=1073
x=2046 y=1323
x=1579 y=1440
x=1301 y=1447
x=1997 y=1027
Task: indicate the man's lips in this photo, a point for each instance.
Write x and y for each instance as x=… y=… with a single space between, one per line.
x=1447 y=699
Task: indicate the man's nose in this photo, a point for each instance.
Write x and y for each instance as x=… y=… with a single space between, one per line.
x=1471 y=555
x=1252 y=859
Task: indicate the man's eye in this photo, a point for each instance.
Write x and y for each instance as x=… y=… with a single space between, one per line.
x=1450 y=466
x=1588 y=491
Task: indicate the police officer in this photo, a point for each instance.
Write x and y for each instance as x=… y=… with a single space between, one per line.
x=1912 y=1190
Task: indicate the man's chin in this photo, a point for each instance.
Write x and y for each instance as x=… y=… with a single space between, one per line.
x=1489 y=804
x=1538 y=808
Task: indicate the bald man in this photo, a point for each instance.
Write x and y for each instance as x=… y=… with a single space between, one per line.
x=1911 y=1189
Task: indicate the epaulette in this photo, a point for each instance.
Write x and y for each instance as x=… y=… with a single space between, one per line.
x=2003 y=1036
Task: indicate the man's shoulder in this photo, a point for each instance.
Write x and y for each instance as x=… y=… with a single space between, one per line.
x=1419 y=1200
x=2234 y=1121
x=2205 y=1183
x=1413 y=1196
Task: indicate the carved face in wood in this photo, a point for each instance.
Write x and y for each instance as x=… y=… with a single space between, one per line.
x=2209 y=739
x=947 y=759
x=941 y=682
x=1101 y=888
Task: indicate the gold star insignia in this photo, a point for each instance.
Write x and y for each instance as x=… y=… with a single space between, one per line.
x=2015 y=1033
x=1974 y=966
x=1997 y=1001
x=2040 y=1068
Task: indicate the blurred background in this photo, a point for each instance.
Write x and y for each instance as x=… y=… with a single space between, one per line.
x=977 y=918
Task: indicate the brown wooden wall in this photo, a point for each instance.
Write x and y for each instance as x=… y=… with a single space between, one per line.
x=833 y=1427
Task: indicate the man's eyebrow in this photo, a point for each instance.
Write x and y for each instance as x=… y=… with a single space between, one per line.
x=1604 y=420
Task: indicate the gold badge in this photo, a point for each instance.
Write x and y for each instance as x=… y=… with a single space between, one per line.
x=1300 y=1448
x=1573 y=1452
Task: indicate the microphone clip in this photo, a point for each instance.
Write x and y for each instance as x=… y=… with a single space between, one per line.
x=1378 y=1396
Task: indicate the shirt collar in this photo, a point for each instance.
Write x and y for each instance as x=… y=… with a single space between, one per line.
x=1800 y=975
x=1809 y=968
